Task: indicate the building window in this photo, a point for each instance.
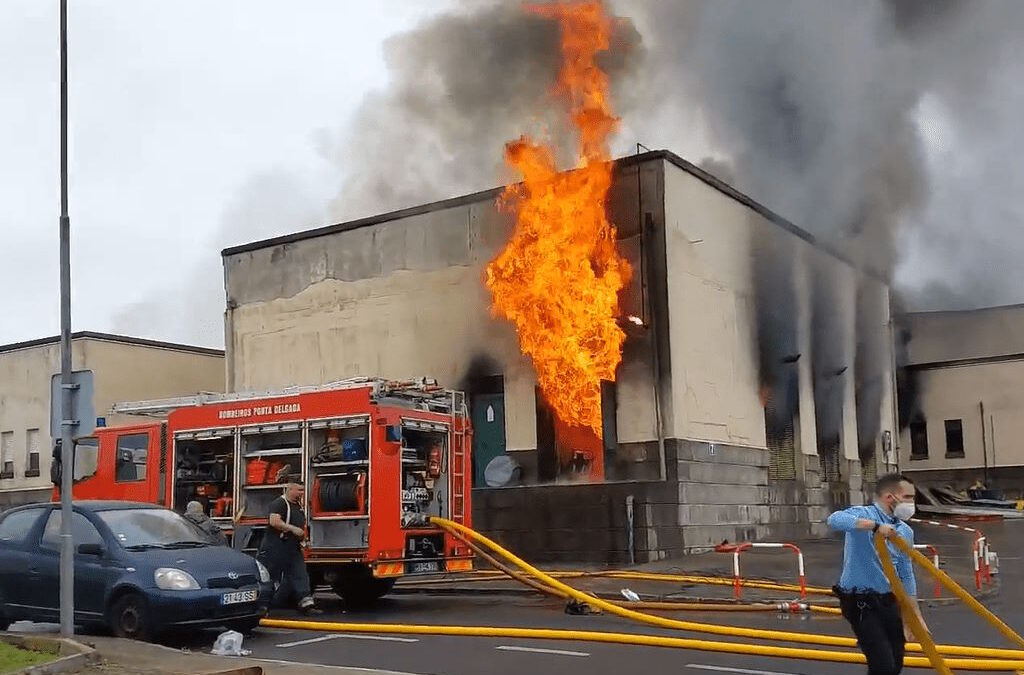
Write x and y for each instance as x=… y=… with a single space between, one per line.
x=132 y=452
x=954 y=438
x=32 y=458
x=919 y=439
x=7 y=454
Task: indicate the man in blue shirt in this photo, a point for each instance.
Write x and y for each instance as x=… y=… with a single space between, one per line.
x=864 y=592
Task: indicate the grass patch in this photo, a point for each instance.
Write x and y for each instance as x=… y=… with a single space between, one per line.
x=13 y=659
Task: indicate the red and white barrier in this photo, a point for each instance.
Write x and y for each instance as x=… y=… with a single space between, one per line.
x=934 y=553
x=981 y=554
x=737 y=580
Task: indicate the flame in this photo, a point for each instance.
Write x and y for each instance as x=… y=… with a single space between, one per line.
x=559 y=277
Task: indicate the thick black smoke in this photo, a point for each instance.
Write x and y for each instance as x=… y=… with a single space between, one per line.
x=776 y=325
x=462 y=85
x=870 y=365
x=830 y=367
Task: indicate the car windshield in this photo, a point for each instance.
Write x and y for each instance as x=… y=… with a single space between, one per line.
x=152 y=528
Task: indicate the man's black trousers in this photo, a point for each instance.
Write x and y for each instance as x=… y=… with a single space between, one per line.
x=878 y=625
x=287 y=569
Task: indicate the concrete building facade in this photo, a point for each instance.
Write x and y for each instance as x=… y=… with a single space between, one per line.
x=965 y=375
x=760 y=377
x=111 y=368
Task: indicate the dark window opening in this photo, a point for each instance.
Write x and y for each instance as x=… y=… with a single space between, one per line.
x=919 y=439
x=33 y=465
x=132 y=452
x=954 y=438
x=8 y=470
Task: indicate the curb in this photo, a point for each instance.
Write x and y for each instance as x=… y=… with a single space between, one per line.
x=72 y=655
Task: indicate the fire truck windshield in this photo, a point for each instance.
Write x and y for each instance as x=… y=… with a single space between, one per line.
x=152 y=528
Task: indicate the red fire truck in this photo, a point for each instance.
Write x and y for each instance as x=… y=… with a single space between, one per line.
x=377 y=457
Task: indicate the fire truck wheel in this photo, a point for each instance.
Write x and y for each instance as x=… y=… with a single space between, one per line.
x=128 y=617
x=360 y=588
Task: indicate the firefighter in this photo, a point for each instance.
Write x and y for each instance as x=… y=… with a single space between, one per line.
x=281 y=550
x=194 y=512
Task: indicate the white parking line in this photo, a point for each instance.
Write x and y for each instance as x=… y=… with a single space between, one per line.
x=742 y=671
x=347 y=636
x=534 y=650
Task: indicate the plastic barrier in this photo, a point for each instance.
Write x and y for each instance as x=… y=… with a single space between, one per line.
x=935 y=561
x=980 y=553
x=737 y=579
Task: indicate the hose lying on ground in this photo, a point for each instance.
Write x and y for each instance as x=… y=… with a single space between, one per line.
x=991 y=659
x=997 y=665
x=521 y=577
x=714 y=629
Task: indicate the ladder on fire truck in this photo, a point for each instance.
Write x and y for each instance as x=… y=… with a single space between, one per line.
x=459 y=461
x=424 y=389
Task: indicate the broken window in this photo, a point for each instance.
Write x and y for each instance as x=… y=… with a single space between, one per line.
x=919 y=439
x=954 y=438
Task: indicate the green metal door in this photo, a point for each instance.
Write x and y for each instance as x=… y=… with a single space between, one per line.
x=488 y=432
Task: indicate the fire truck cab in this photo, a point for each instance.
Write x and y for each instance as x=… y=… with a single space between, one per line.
x=378 y=458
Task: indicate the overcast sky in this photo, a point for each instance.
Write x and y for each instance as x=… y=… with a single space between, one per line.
x=197 y=125
x=178 y=110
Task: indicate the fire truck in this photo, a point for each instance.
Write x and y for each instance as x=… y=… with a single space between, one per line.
x=377 y=457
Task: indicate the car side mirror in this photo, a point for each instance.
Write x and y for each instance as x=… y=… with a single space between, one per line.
x=90 y=549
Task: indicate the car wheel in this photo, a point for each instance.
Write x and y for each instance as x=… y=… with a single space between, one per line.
x=5 y=623
x=244 y=626
x=129 y=618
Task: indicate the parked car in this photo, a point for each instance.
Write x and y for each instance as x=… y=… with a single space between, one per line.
x=140 y=569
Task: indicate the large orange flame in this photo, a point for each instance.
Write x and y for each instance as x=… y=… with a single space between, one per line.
x=559 y=277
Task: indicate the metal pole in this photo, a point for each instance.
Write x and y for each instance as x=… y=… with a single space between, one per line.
x=984 y=442
x=67 y=570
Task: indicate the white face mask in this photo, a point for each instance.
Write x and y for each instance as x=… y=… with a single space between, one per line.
x=903 y=511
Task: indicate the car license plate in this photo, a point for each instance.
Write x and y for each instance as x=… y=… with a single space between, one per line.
x=239 y=597
x=427 y=567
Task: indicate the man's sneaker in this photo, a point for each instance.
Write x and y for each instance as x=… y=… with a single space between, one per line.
x=311 y=610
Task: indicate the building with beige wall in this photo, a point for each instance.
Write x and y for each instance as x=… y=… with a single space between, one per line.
x=754 y=390
x=965 y=381
x=113 y=368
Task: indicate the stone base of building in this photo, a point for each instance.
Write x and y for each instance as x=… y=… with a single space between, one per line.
x=712 y=493
x=12 y=498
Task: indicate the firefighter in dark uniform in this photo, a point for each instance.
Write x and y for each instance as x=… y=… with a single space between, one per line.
x=281 y=550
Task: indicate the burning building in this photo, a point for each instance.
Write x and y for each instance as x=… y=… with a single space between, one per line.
x=755 y=386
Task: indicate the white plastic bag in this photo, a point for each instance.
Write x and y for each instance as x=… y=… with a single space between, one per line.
x=630 y=595
x=229 y=643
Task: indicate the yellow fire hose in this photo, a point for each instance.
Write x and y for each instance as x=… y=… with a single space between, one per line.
x=489 y=575
x=632 y=639
x=988 y=659
x=521 y=577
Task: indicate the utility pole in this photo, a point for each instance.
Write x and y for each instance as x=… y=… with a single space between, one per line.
x=67 y=552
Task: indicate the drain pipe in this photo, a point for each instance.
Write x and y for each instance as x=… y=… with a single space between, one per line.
x=629 y=529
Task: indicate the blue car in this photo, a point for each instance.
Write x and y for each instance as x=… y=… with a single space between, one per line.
x=140 y=570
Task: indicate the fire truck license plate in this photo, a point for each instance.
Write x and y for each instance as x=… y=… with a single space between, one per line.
x=239 y=597
x=428 y=567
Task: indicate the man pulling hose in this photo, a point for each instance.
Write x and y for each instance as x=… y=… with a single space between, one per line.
x=864 y=592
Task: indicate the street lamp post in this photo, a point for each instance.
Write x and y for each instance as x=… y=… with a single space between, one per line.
x=67 y=570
